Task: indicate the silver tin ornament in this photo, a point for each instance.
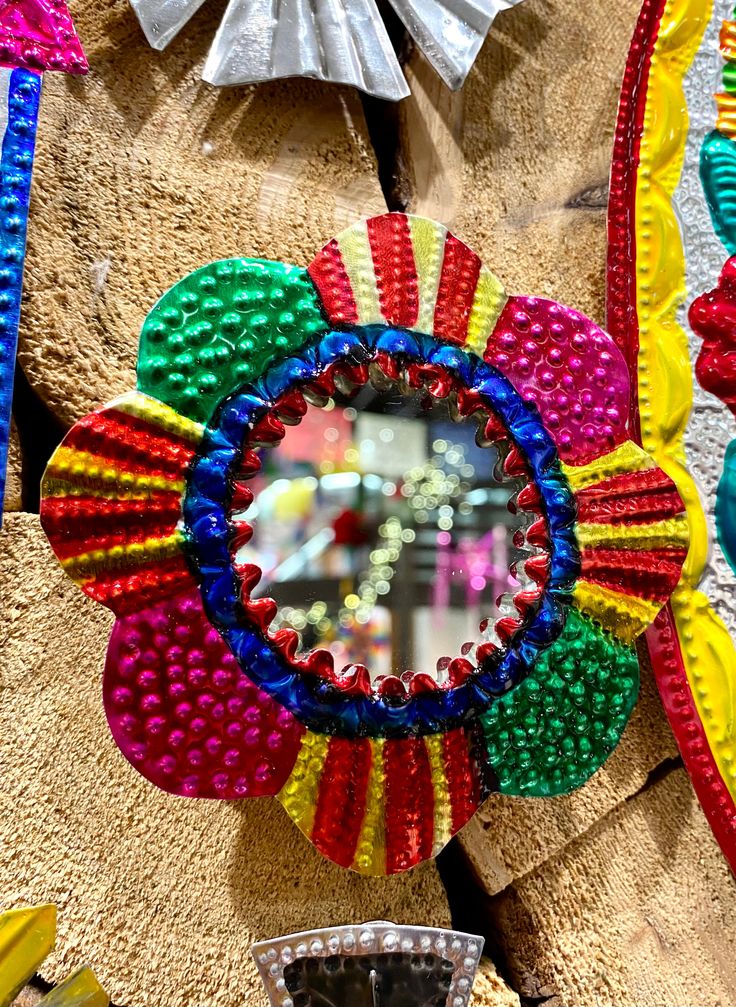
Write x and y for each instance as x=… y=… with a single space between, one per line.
x=340 y=41
x=375 y=964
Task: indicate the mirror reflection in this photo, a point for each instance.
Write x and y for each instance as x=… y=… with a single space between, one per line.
x=379 y=980
x=385 y=534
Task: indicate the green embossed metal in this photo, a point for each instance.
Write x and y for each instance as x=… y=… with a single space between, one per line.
x=550 y=733
x=220 y=327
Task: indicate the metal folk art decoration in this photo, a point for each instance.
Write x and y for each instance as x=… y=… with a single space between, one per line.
x=684 y=428
x=35 y=36
x=148 y=505
x=341 y=41
x=27 y=937
x=712 y=315
x=374 y=964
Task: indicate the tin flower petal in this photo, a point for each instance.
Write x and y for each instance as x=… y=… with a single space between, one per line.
x=182 y=712
x=112 y=502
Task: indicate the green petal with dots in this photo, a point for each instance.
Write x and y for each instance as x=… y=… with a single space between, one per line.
x=220 y=327
x=557 y=727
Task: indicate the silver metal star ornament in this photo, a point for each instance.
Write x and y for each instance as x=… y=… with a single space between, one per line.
x=342 y=41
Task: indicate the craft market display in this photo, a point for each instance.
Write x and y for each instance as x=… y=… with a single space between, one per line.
x=35 y=36
x=342 y=41
x=146 y=504
x=381 y=540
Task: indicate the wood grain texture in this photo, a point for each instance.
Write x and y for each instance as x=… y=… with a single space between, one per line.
x=528 y=188
x=489 y=990
x=30 y=996
x=161 y=896
x=143 y=173
x=14 y=473
x=431 y=148
x=637 y=912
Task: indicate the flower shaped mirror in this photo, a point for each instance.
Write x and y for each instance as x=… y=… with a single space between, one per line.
x=300 y=541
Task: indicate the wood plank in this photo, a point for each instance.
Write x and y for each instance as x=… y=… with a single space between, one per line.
x=489 y=990
x=143 y=173
x=431 y=144
x=638 y=912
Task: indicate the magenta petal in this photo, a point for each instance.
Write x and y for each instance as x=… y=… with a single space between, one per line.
x=185 y=715
x=570 y=369
x=39 y=35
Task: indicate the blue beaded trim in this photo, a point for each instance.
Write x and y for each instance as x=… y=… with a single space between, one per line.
x=317 y=703
x=16 y=167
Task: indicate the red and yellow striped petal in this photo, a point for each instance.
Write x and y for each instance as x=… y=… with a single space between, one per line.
x=382 y=805
x=633 y=536
x=370 y=851
x=410 y=272
x=111 y=501
x=341 y=800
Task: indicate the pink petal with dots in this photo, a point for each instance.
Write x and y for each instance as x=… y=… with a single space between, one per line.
x=570 y=369
x=39 y=35
x=185 y=715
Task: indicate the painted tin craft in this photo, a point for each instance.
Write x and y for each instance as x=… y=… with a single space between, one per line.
x=376 y=964
x=27 y=937
x=664 y=253
x=35 y=36
x=341 y=41
x=149 y=505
